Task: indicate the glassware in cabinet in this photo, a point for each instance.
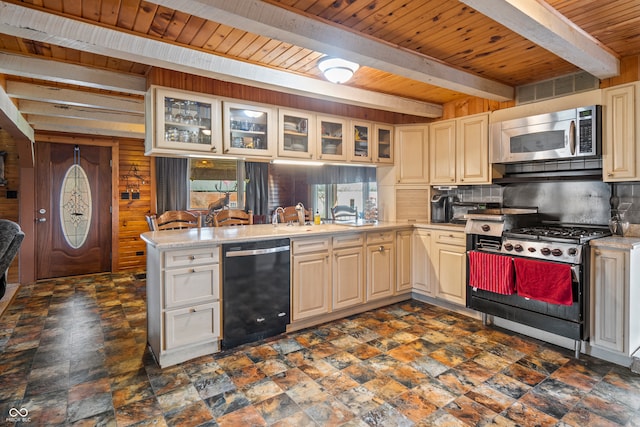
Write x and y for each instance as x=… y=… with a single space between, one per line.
x=331 y=139
x=249 y=129
x=187 y=121
x=296 y=134
x=383 y=143
x=361 y=147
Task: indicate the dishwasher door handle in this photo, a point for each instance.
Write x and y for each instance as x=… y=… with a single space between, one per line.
x=250 y=252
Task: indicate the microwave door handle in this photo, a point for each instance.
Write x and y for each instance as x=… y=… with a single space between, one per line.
x=572 y=137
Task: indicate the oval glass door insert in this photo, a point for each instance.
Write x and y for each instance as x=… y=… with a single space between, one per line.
x=75 y=206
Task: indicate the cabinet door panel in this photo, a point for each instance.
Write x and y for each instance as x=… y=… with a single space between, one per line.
x=473 y=150
x=413 y=153
x=348 y=277
x=403 y=244
x=422 y=264
x=619 y=155
x=381 y=272
x=442 y=152
x=608 y=296
x=451 y=266
x=310 y=293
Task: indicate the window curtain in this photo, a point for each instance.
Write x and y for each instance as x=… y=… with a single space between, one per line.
x=257 y=189
x=171 y=181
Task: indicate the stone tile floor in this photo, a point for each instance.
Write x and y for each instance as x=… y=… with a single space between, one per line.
x=73 y=352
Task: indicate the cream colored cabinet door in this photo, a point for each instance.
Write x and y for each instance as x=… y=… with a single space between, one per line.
x=442 y=152
x=311 y=285
x=422 y=265
x=380 y=271
x=608 y=285
x=348 y=277
x=403 y=253
x=621 y=154
x=383 y=143
x=296 y=134
x=412 y=163
x=450 y=261
x=472 y=154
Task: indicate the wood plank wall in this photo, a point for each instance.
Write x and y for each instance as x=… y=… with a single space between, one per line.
x=131 y=249
x=184 y=81
x=9 y=207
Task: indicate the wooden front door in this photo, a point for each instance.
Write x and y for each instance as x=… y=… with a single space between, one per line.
x=73 y=210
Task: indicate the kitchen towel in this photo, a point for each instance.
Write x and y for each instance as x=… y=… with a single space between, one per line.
x=544 y=281
x=490 y=272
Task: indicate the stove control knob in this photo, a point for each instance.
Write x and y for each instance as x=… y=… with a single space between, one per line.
x=545 y=251
x=485 y=228
x=508 y=246
x=518 y=248
x=531 y=249
x=572 y=251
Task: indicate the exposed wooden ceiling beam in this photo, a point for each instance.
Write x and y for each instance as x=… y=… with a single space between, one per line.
x=45 y=69
x=31 y=24
x=15 y=124
x=71 y=111
x=57 y=95
x=88 y=127
x=546 y=27
x=275 y=22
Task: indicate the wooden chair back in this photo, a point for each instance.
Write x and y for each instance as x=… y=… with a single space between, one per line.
x=227 y=217
x=290 y=214
x=173 y=220
x=344 y=213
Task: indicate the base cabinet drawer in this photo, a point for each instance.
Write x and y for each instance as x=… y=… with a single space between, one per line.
x=188 y=257
x=191 y=285
x=192 y=325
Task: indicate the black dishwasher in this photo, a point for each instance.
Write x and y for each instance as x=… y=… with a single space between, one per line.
x=255 y=290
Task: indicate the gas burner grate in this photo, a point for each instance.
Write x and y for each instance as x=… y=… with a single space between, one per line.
x=577 y=233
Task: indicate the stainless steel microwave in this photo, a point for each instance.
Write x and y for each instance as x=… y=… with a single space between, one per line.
x=564 y=134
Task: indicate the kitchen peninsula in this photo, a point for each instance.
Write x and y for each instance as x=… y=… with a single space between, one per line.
x=336 y=270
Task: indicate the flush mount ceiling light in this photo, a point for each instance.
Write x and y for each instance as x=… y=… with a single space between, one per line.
x=337 y=70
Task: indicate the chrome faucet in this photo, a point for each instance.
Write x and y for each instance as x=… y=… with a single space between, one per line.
x=274 y=218
x=300 y=210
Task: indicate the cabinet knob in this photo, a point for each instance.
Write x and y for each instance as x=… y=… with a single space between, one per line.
x=260 y=320
x=193 y=310
x=381 y=249
x=192 y=257
x=609 y=174
x=193 y=270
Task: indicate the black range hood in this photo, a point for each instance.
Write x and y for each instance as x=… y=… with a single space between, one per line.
x=560 y=170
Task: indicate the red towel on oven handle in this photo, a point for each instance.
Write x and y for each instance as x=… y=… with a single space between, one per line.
x=544 y=281
x=491 y=272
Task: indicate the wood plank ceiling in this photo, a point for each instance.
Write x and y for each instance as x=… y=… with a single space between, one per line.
x=430 y=51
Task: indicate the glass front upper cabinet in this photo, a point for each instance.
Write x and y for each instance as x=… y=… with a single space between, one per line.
x=187 y=121
x=249 y=130
x=296 y=132
x=332 y=138
x=361 y=147
x=383 y=143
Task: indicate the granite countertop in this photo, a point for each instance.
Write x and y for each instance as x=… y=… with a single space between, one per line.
x=618 y=242
x=173 y=239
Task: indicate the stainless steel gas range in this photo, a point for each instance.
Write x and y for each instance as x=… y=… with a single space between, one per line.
x=529 y=271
